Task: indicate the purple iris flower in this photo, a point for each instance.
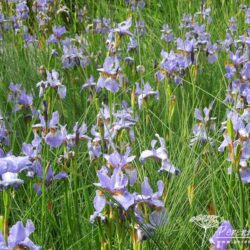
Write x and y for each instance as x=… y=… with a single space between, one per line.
x=101 y=25
x=148 y=196
x=140 y=29
x=206 y=115
x=157 y=218
x=117 y=160
x=123 y=162
x=185 y=45
x=230 y=71
x=95 y=145
x=222 y=236
x=104 y=114
x=19 y=97
x=160 y=154
x=241 y=129
x=123 y=124
x=22 y=10
x=115 y=186
x=97 y=23
x=24 y=101
x=227 y=140
x=173 y=65
x=238 y=58
x=4 y=134
x=55 y=137
x=49 y=178
x=99 y=204
x=246 y=95
x=40 y=6
x=132 y=45
x=229 y=40
x=246 y=39
x=199 y=29
x=248 y=16
x=212 y=55
x=169 y=61
x=73 y=56
x=135 y=4
x=94 y=148
x=123 y=28
x=239 y=125
x=79 y=134
x=54 y=82
x=19 y=237
x=32 y=150
x=90 y=83
x=245 y=175
x=233 y=27
x=245 y=73
x=109 y=75
x=58 y=31
x=30 y=40
x=167 y=33
x=206 y=124
x=205 y=13
x=145 y=93
x=110 y=43
x=124 y=120
x=15 y=89
x=186 y=22
x=50 y=175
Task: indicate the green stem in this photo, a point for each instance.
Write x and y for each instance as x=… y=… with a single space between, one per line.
x=6 y=201
x=242 y=203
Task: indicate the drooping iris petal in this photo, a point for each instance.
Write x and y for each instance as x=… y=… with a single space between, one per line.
x=245 y=175
x=132 y=173
x=61 y=91
x=124 y=199
x=10 y=179
x=99 y=201
x=2 y=243
x=54 y=139
x=60 y=175
x=146 y=154
x=169 y=167
x=158 y=217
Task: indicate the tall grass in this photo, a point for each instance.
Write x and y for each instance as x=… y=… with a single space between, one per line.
x=62 y=213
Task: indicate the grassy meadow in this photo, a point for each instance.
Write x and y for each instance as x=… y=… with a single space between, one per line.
x=61 y=207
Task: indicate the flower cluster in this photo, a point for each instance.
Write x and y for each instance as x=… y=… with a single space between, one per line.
x=205 y=125
x=237 y=125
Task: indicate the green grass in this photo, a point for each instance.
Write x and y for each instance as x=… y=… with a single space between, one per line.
x=61 y=214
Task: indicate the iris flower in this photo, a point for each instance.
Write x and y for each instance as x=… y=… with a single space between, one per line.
x=19 y=237
x=160 y=154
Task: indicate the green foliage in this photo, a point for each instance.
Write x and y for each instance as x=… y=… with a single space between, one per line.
x=61 y=214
